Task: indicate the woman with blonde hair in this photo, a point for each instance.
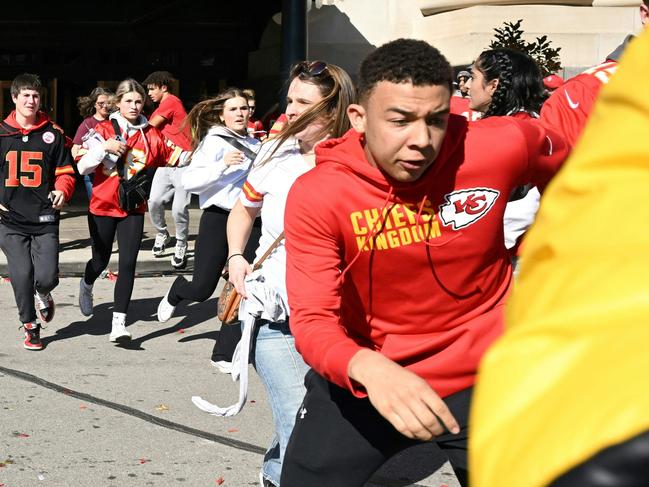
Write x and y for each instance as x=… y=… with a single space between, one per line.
x=221 y=158
x=125 y=141
x=318 y=96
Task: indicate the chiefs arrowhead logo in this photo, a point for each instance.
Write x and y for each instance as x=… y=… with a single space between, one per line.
x=466 y=206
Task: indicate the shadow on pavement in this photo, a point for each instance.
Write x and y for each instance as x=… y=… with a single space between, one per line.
x=99 y=323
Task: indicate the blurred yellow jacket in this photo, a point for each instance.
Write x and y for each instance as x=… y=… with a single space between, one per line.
x=570 y=376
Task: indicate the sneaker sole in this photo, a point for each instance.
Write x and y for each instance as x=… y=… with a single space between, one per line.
x=33 y=348
x=50 y=316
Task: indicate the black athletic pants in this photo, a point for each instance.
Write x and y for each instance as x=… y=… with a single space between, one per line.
x=623 y=465
x=33 y=262
x=129 y=239
x=210 y=255
x=339 y=440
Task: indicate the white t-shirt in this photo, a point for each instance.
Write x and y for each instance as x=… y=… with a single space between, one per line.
x=267 y=187
x=209 y=177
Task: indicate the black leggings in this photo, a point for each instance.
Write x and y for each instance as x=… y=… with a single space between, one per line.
x=625 y=464
x=129 y=238
x=210 y=255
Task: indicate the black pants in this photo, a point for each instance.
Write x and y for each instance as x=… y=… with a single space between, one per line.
x=33 y=262
x=210 y=255
x=623 y=465
x=129 y=239
x=339 y=440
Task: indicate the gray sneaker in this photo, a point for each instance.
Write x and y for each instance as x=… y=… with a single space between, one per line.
x=85 y=298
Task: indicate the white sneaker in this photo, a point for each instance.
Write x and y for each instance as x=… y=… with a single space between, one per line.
x=222 y=366
x=161 y=240
x=118 y=332
x=165 y=309
x=85 y=298
x=179 y=259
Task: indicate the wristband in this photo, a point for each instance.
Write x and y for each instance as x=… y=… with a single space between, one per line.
x=233 y=255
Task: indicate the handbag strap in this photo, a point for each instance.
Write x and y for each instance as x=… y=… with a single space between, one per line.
x=249 y=153
x=121 y=170
x=274 y=245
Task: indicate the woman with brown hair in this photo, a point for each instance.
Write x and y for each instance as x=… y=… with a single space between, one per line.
x=318 y=96
x=221 y=158
x=94 y=108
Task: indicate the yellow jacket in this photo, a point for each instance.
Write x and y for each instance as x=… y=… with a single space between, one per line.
x=570 y=376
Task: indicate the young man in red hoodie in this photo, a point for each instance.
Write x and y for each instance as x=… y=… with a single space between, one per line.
x=36 y=178
x=397 y=273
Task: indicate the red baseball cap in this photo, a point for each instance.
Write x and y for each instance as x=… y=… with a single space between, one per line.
x=552 y=82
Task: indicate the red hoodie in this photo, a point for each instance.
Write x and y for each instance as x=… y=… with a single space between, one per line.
x=35 y=161
x=417 y=271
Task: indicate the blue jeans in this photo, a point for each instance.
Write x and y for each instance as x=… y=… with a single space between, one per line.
x=282 y=370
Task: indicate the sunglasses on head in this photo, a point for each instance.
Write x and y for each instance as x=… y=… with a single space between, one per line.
x=310 y=68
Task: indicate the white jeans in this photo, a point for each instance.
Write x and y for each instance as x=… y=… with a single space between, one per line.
x=165 y=186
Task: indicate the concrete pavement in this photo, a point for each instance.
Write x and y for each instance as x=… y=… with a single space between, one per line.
x=85 y=412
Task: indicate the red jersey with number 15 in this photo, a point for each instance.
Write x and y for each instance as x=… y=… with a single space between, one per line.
x=568 y=108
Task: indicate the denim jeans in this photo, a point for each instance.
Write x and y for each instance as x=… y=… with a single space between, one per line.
x=282 y=370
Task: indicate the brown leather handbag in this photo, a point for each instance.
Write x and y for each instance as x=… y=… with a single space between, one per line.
x=227 y=308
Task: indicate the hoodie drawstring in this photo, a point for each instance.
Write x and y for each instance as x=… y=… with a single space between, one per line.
x=372 y=233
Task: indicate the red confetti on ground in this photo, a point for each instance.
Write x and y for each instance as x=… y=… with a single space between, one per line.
x=83 y=406
x=181 y=330
x=143 y=460
x=21 y=435
x=443 y=485
x=218 y=481
x=232 y=430
x=252 y=401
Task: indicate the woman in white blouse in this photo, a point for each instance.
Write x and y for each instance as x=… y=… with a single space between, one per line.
x=220 y=162
x=317 y=99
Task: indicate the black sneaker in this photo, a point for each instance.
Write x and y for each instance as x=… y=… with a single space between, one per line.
x=44 y=306
x=32 y=336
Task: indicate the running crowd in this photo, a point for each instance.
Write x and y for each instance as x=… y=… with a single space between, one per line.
x=394 y=209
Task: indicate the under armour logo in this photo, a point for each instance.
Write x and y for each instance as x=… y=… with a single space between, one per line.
x=302 y=413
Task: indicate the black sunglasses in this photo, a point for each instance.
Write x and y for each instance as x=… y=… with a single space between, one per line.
x=310 y=68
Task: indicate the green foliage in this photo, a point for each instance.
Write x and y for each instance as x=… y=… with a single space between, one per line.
x=511 y=37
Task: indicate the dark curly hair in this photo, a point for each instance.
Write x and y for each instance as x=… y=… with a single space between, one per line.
x=159 y=79
x=401 y=61
x=520 y=85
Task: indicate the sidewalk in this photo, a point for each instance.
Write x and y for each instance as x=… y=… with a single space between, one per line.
x=75 y=251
